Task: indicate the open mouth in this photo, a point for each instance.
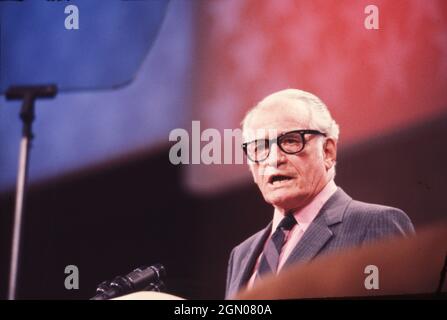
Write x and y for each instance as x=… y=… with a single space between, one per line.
x=278 y=179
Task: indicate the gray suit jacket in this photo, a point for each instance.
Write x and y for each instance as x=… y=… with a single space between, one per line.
x=341 y=223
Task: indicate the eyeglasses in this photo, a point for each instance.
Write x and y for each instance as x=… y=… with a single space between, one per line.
x=291 y=142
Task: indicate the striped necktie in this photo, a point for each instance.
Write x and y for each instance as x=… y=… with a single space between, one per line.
x=270 y=255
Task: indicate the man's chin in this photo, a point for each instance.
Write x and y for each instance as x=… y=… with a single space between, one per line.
x=285 y=201
x=282 y=202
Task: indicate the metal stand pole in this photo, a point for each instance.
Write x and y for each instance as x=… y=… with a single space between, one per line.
x=28 y=94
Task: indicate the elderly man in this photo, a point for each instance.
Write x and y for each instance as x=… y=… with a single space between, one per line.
x=291 y=146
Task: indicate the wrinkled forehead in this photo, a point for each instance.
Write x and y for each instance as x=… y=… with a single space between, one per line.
x=275 y=117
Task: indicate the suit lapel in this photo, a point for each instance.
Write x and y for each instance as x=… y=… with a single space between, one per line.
x=249 y=260
x=319 y=232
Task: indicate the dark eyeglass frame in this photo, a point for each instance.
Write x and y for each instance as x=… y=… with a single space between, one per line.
x=278 y=140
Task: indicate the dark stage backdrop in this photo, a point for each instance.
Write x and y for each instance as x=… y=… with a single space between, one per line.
x=136 y=212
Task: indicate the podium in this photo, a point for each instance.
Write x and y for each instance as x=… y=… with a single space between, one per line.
x=148 y=295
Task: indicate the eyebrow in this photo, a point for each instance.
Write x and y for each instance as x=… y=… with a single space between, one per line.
x=279 y=133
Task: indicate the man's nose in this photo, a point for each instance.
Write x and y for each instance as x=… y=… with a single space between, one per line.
x=276 y=156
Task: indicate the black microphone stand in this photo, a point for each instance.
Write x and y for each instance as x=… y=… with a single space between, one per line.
x=28 y=94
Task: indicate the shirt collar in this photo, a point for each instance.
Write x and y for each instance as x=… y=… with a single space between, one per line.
x=306 y=215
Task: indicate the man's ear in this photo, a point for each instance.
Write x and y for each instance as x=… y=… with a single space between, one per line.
x=251 y=166
x=330 y=152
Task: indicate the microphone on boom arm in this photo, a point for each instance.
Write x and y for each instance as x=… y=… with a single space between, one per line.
x=143 y=278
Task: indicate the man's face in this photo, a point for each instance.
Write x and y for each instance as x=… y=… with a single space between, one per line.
x=289 y=181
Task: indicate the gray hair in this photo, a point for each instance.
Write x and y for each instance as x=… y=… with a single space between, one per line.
x=320 y=117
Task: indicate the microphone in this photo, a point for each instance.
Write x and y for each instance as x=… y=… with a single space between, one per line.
x=142 y=278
